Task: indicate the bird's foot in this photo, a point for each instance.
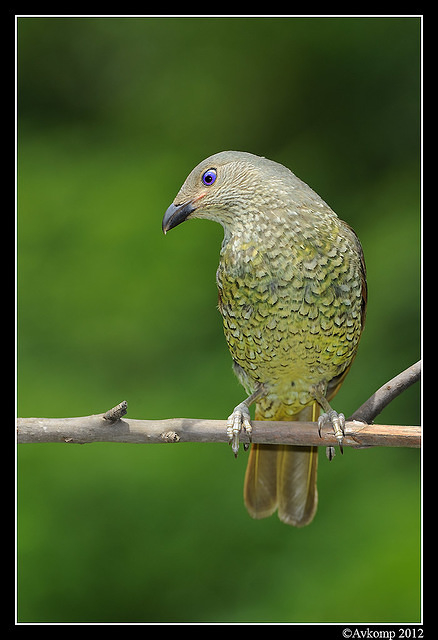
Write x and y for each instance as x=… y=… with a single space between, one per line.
x=337 y=422
x=238 y=420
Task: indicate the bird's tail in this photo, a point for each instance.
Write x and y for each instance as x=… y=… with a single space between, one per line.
x=283 y=477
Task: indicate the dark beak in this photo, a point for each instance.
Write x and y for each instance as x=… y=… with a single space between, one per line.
x=176 y=214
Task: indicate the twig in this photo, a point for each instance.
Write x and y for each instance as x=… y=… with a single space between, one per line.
x=383 y=396
x=116 y=412
x=109 y=427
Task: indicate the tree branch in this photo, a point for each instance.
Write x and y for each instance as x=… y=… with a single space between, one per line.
x=109 y=426
x=96 y=428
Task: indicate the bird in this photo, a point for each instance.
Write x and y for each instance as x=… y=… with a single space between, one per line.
x=292 y=293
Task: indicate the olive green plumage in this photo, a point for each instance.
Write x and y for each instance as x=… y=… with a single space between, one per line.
x=292 y=293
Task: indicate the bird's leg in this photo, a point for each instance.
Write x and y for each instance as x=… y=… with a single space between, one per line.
x=329 y=418
x=241 y=419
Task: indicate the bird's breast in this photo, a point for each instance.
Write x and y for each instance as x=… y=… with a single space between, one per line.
x=291 y=313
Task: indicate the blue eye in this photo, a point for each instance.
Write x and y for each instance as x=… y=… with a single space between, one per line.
x=209 y=177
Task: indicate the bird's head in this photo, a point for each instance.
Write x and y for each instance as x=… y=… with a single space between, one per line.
x=227 y=187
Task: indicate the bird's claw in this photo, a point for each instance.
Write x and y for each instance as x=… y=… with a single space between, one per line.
x=337 y=422
x=238 y=420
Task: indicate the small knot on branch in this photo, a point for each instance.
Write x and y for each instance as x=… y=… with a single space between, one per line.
x=116 y=412
x=170 y=436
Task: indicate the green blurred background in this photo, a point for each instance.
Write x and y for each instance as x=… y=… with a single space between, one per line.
x=113 y=114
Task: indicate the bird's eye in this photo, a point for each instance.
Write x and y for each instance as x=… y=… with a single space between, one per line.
x=209 y=177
